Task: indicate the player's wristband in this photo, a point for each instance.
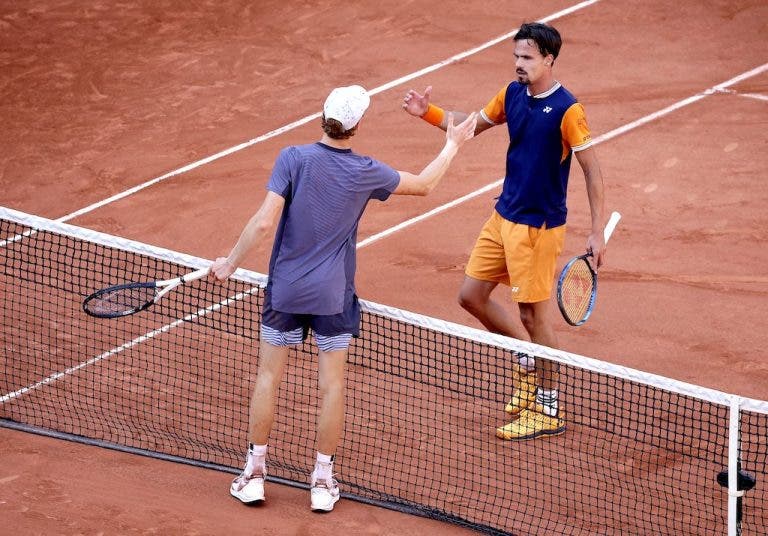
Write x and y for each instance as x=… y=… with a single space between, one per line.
x=434 y=115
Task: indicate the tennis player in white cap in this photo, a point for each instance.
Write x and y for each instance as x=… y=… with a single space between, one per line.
x=318 y=193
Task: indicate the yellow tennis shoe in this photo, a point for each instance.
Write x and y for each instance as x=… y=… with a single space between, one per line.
x=524 y=394
x=531 y=424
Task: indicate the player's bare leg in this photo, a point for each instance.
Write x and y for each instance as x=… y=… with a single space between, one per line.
x=544 y=416
x=535 y=318
x=272 y=360
x=475 y=298
x=331 y=382
x=248 y=487
x=324 y=490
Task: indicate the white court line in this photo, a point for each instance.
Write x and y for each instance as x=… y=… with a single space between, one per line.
x=307 y=119
x=720 y=88
x=756 y=96
x=126 y=346
x=437 y=210
x=685 y=102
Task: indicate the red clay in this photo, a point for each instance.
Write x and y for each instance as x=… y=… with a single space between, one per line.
x=98 y=98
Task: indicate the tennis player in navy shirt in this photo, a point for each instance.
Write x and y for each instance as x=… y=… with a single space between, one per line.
x=520 y=243
x=319 y=193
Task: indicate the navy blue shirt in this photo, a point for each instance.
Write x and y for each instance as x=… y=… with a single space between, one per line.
x=543 y=131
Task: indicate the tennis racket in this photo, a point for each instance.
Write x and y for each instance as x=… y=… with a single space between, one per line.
x=130 y=298
x=577 y=284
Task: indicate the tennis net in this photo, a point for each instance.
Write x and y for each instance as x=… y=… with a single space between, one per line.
x=642 y=454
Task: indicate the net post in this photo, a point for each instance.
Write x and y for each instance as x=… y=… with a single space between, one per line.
x=734 y=495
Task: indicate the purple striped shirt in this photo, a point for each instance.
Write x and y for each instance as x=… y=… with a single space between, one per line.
x=326 y=190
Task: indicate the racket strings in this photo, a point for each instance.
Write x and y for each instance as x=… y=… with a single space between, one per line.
x=577 y=291
x=120 y=301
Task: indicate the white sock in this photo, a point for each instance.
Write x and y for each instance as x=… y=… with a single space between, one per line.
x=256 y=460
x=323 y=466
x=548 y=399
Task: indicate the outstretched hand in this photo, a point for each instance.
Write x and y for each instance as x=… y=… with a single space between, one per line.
x=415 y=103
x=462 y=132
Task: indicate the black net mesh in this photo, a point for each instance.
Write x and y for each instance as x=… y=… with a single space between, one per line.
x=423 y=403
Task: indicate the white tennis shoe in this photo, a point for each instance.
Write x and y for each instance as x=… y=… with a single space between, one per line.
x=324 y=494
x=248 y=489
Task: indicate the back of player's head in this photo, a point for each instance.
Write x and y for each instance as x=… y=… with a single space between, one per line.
x=343 y=109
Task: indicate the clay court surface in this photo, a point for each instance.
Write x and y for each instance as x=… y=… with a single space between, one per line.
x=98 y=98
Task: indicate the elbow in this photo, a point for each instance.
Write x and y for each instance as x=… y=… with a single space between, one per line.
x=257 y=227
x=262 y=227
x=424 y=187
x=425 y=190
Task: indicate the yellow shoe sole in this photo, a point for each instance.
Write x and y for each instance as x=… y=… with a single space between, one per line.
x=506 y=436
x=503 y=433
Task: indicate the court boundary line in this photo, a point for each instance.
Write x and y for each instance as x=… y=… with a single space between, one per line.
x=717 y=89
x=756 y=96
x=299 y=122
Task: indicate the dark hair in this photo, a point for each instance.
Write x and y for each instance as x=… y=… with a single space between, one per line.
x=335 y=131
x=546 y=37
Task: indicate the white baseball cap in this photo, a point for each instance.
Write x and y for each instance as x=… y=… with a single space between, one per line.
x=347 y=105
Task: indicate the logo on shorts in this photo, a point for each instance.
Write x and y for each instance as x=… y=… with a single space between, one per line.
x=515 y=289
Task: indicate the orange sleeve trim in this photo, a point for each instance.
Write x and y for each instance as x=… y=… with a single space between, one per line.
x=434 y=115
x=575 y=129
x=494 y=110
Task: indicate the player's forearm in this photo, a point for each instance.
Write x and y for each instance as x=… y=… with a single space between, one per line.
x=593 y=179
x=244 y=244
x=438 y=117
x=254 y=232
x=596 y=197
x=430 y=176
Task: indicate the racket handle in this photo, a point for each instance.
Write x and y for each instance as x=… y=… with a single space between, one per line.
x=197 y=274
x=171 y=284
x=611 y=225
x=191 y=276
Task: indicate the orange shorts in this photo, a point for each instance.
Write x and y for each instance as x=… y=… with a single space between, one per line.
x=521 y=257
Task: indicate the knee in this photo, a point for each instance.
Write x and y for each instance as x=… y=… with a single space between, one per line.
x=331 y=387
x=266 y=384
x=528 y=319
x=534 y=320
